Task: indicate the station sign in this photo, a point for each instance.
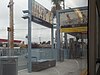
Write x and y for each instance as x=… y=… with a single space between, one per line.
x=74 y=17
x=41 y=15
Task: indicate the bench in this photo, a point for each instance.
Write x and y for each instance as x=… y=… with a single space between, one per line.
x=42 y=65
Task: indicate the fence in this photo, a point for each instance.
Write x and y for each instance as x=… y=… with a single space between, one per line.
x=39 y=53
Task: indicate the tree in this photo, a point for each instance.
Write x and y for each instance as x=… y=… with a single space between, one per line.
x=56 y=6
x=35 y=45
x=57 y=1
x=48 y=42
x=44 y=42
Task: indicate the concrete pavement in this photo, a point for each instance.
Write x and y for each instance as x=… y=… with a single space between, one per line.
x=68 y=67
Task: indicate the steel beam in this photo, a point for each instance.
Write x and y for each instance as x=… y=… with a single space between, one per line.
x=70 y=10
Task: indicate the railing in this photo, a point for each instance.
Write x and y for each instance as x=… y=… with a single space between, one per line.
x=39 y=53
x=21 y=53
x=14 y=52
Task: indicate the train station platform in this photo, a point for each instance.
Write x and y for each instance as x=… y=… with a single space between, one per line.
x=68 y=67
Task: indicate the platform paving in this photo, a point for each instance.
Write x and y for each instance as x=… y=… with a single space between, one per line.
x=68 y=67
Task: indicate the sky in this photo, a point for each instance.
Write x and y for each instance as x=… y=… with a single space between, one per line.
x=20 y=25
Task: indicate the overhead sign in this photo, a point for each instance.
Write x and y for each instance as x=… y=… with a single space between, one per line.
x=74 y=17
x=74 y=29
x=41 y=15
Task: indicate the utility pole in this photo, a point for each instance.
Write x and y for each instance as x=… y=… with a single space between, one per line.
x=11 y=39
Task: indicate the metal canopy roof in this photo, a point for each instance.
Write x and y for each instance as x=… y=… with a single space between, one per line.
x=70 y=10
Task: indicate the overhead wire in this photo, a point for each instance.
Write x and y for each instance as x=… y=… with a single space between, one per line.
x=27 y=29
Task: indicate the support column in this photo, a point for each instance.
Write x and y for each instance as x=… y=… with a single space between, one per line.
x=29 y=36
x=52 y=35
x=66 y=45
x=58 y=37
x=66 y=41
x=98 y=18
x=92 y=37
x=52 y=39
x=83 y=54
x=99 y=37
x=71 y=49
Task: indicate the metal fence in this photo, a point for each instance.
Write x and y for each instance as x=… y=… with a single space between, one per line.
x=39 y=53
x=21 y=53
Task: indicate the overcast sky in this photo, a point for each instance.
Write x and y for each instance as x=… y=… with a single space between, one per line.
x=20 y=25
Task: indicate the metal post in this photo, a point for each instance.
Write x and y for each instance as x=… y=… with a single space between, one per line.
x=82 y=44
x=92 y=37
x=98 y=21
x=29 y=36
x=66 y=44
x=97 y=31
x=99 y=36
x=52 y=35
x=58 y=37
x=66 y=41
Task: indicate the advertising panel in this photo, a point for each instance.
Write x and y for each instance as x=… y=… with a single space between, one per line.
x=75 y=17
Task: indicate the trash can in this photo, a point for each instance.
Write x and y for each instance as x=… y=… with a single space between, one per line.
x=8 y=65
